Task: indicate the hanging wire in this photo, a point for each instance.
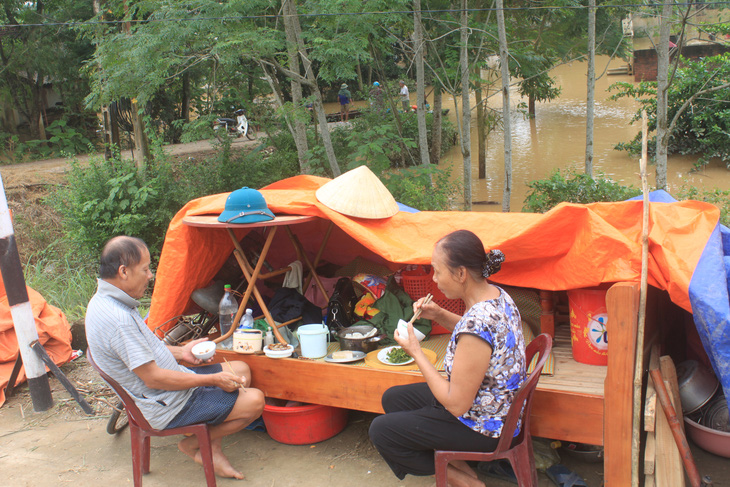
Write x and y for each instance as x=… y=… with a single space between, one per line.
x=352 y=14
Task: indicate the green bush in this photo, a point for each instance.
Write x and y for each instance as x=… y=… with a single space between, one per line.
x=228 y=171
x=10 y=150
x=412 y=186
x=199 y=129
x=62 y=139
x=108 y=198
x=574 y=188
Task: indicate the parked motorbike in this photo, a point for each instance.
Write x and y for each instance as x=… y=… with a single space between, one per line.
x=228 y=127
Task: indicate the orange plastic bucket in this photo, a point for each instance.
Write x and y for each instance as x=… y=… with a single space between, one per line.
x=588 y=320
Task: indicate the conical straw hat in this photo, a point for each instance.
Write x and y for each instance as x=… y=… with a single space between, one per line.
x=358 y=193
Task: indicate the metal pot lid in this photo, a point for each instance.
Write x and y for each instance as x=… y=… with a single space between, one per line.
x=717 y=416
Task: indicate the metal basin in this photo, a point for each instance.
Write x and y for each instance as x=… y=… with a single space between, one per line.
x=697 y=385
x=358 y=344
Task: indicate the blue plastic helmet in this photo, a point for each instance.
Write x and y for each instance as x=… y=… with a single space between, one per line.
x=245 y=205
x=376 y=84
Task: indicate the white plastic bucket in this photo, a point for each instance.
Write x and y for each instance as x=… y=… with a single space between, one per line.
x=313 y=340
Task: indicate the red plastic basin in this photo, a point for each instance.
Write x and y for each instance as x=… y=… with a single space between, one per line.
x=303 y=425
x=717 y=442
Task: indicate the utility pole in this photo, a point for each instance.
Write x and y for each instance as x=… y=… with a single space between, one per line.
x=21 y=311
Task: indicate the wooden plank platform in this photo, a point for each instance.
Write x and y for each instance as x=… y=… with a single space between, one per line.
x=572 y=376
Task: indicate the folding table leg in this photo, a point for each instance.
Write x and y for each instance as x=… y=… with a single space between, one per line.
x=251 y=278
x=319 y=255
x=300 y=250
x=247 y=273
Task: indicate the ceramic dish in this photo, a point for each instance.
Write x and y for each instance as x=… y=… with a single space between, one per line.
x=383 y=356
x=356 y=355
x=278 y=353
x=403 y=330
x=203 y=350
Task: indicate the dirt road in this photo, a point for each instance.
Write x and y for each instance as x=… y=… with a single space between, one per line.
x=39 y=172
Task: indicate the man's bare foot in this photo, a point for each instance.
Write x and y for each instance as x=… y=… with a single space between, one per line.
x=464 y=467
x=223 y=467
x=221 y=464
x=189 y=446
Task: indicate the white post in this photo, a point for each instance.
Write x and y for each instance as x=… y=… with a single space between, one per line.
x=20 y=309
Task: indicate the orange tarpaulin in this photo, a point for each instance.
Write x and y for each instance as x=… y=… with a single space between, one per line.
x=572 y=246
x=54 y=334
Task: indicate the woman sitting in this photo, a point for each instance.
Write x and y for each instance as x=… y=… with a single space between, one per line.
x=484 y=364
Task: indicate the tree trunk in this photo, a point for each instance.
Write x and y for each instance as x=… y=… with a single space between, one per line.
x=279 y=97
x=662 y=89
x=420 y=83
x=318 y=105
x=185 y=104
x=300 y=130
x=506 y=123
x=141 y=143
x=359 y=77
x=436 y=132
x=590 y=98
x=140 y=137
x=465 y=105
x=481 y=128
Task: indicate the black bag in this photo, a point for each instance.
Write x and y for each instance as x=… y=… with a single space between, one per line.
x=341 y=306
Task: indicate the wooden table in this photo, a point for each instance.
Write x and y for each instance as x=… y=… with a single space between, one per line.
x=253 y=274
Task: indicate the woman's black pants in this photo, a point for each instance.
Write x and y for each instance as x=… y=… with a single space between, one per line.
x=414 y=426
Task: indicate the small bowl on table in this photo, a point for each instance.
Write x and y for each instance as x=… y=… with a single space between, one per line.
x=278 y=352
x=203 y=350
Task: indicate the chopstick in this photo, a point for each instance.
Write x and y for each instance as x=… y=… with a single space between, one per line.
x=233 y=371
x=417 y=314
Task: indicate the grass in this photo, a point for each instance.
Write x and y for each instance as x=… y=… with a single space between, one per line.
x=64 y=285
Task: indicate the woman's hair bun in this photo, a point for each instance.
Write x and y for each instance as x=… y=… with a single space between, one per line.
x=493 y=262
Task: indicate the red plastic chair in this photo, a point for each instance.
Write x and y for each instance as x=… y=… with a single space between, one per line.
x=518 y=450
x=141 y=431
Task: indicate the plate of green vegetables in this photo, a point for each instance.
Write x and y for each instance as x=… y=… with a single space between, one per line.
x=394 y=355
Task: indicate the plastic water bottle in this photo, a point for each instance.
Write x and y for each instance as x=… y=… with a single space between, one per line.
x=269 y=338
x=227 y=310
x=247 y=319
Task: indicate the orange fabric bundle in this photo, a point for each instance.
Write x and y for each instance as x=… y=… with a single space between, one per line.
x=54 y=334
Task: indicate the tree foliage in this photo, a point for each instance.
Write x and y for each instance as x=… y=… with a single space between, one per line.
x=698 y=108
x=36 y=54
x=573 y=187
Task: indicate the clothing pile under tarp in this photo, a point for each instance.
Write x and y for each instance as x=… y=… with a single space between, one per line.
x=572 y=246
x=54 y=334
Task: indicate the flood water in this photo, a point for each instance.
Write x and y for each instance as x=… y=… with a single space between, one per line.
x=555 y=138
